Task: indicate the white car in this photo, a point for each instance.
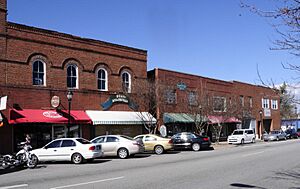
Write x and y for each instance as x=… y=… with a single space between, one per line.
x=68 y=149
x=119 y=145
x=241 y=136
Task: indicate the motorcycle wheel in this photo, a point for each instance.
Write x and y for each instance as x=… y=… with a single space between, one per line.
x=32 y=161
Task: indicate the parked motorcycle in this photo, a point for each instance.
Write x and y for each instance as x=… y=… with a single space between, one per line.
x=25 y=157
x=8 y=161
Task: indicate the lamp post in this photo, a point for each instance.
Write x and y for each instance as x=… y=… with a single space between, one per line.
x=69 y=97
x=261 y=123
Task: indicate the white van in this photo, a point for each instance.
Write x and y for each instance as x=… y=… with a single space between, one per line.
x=241 y=136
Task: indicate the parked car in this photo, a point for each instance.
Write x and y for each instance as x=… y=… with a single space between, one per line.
x=241 y=136
x=291 y=133
x=298 y=132
x=68 y=149
x=155 y=143
x=275 y=135
x=187 y=140
x=119 y=145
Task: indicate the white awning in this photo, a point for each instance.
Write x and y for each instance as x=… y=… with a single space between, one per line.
x=120 y=117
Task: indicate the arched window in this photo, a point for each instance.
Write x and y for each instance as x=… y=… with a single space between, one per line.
x=38 y=73
x=102 y=79
x=126 y=82
x=72 y=76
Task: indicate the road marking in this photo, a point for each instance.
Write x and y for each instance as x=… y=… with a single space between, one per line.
x=252 y=154
x=14 y=186
x=85 y=183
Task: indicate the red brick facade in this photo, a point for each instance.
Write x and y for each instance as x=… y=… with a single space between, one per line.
x=231 y=91
x=21 y=45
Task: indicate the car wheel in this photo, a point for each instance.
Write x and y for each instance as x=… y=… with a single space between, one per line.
x=123 y=153
x=32 y=161
x=277 y=138
x=77 y=158
x=253 y=140
x=158 y=149
x=196 y=147
x=242 y=141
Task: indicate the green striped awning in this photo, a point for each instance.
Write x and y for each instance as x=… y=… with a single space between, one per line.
x=177 y=118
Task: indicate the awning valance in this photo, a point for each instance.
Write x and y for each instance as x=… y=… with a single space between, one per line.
x=177 y=118
x=47 y=116
x=120 y=117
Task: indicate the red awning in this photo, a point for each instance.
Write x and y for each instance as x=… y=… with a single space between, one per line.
x=47 y=116
x=221 y=119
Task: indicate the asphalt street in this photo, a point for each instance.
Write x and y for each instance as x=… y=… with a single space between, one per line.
x=263 y=165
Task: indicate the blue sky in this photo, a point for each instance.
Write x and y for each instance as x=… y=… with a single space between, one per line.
x=211 y=38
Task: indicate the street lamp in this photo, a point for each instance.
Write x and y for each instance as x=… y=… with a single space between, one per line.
x=69 y=97
x=261 y=123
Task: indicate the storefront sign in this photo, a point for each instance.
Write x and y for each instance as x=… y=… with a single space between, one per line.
x=3 y=101
x=163 y=131
x=52 y=114
x=118 y=98
x=55 y=101
x=181 y=86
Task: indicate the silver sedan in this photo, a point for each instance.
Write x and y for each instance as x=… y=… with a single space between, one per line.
x=119 y=145
x=275 y=135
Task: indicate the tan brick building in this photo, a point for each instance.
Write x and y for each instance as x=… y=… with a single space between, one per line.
x=176 y=94
x=38 y=65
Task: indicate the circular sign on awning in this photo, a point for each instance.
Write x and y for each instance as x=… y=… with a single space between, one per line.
x=163 y=130
x=55 y=101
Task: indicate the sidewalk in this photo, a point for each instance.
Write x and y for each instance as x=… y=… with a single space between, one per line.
x=221 y=145
x=224 y=144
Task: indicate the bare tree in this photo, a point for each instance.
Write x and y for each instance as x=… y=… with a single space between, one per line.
x=225 y=110
x=199 y=109
x=285 y=19
x=143 y=97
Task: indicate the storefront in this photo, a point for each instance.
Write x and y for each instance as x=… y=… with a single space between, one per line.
x=178 y=122
x=120 y=122
x=46 y=125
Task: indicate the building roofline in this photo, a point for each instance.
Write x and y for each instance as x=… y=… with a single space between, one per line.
x=234 y=81
x=65 y=35
x=194 y=75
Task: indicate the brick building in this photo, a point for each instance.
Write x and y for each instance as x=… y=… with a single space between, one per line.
x=233 y=104
x=39 y=67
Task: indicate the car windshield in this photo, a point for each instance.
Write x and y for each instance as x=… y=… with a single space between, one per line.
x=127 y=137
x=237 y=133
x=83 y=141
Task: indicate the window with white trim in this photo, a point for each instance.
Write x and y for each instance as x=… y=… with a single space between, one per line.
x=219 y=104
x=250 y=102
x=274 y=104
x=126 y=82
x=38 y=73
x=170 y=96
x=192 y=98
x=102 y=79
x=242 y=101
x=72 y=76
x=265 y=103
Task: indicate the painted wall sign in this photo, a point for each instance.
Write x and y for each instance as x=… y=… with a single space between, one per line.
x=181 y=86
x=118 y=98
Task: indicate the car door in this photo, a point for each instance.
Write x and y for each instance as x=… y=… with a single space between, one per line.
x=247 y=136
x=49 y=152
x=101 y=140
x=111 y=144
x=149 y=142
x=67 y=148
